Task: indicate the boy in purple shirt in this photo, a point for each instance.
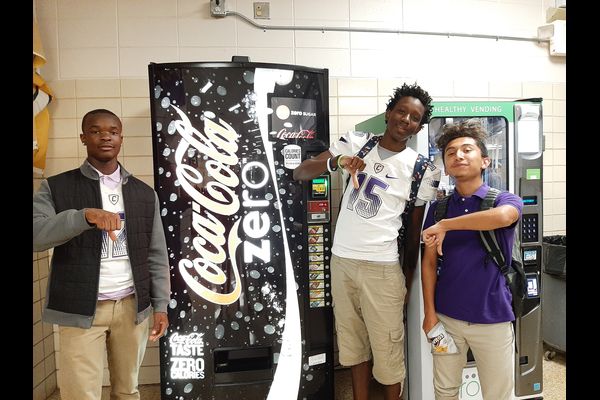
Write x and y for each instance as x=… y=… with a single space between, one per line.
x=468 y=293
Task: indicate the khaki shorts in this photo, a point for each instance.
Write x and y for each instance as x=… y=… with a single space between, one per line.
x=368 y=302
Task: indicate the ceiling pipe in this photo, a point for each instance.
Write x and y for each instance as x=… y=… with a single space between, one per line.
x=376 y=30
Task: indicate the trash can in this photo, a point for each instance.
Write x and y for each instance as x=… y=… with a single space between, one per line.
x=554 y=283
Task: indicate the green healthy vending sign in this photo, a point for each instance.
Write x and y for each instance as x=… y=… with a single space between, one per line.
x=474 y=109
x=504 y=109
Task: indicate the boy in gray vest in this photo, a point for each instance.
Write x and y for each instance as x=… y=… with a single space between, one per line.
x=109 y=269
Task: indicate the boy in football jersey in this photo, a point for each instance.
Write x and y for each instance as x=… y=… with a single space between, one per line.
x=368 y=282
x=109 y=268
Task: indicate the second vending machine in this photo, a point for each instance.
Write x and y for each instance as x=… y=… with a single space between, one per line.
x=249 y=247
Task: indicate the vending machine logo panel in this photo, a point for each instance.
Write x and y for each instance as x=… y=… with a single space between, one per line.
x=293 y=118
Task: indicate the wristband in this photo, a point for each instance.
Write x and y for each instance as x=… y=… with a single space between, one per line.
x=329 y=165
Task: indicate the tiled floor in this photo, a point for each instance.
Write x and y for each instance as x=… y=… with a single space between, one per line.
x=554 y=384
x=555 y=378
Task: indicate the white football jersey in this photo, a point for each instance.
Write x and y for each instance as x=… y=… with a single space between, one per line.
x=369 y=217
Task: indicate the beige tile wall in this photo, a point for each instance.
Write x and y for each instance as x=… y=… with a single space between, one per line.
x=183 y=30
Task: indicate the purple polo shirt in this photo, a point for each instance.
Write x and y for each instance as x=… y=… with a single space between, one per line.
x=470 y=286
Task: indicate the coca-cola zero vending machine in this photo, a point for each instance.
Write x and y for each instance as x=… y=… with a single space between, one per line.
x=249 y=248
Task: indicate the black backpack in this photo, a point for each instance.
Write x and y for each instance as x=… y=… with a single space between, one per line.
x=513 y=272
x=421 y=164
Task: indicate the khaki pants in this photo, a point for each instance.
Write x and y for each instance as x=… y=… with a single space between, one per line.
x=82 y=353
x=493 y=348
x=368 y=307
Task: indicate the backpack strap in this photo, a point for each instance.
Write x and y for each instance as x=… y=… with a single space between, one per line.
x=421 y=165
x=441 y=209
x=367 y=147
x=488 y=238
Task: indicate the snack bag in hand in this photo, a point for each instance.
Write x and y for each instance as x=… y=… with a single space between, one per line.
x=441 y=341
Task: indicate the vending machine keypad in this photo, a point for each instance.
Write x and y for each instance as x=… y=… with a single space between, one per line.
x=529 y=228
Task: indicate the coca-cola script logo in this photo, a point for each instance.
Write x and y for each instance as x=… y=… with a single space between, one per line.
x=218 y=144
x=302 y=134
x=193 y=339
x=217 y=196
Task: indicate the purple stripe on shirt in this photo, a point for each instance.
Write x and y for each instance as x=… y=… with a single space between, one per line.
x=116 y=295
